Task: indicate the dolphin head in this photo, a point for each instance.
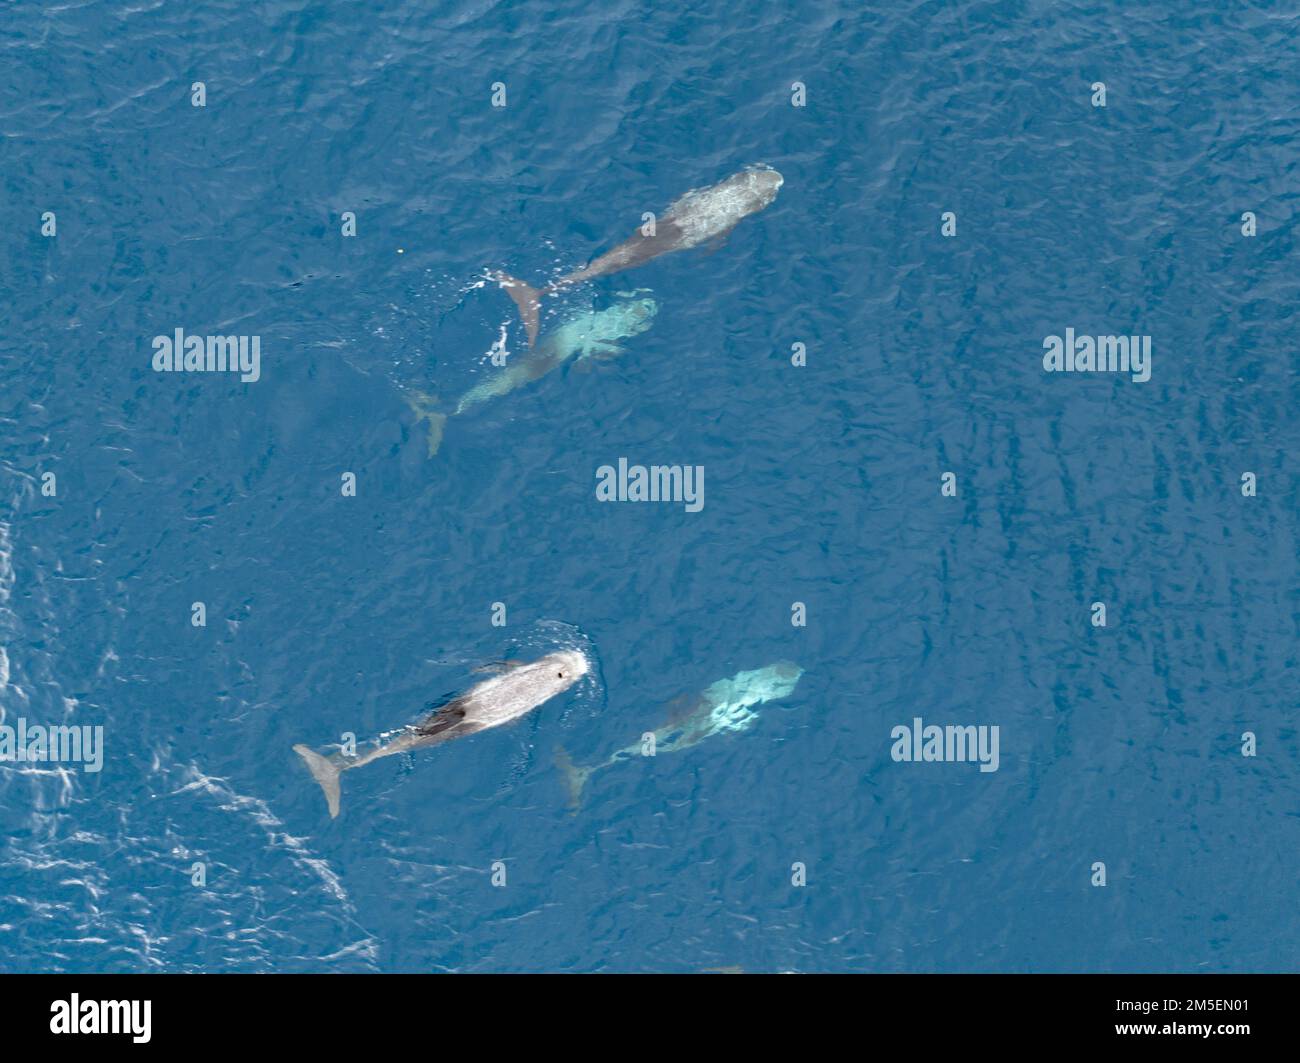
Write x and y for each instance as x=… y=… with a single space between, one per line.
x=780 y=679
x=730 y=698
x=768 y=683
x=639 y=315
x=764 y=183
x=627 y=317
x=564 y=668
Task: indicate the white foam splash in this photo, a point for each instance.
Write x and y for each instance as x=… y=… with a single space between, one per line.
x=7 y=624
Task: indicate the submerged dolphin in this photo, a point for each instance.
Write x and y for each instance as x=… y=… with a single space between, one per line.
x=519 y=689
x=592 y=334
x=723 y=707
x=701 y=214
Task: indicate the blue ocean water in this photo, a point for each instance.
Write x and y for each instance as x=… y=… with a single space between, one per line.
x=329 y=613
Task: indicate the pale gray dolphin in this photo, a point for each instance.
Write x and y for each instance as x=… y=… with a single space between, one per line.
x=518 y=690
x=725 y=706
x=590 y=334
x=701 y=214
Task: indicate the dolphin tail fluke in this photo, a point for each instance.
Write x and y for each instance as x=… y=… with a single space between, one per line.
x=326 y=772
x=526 y=297
x=437 y=424
x=422 y=404
x=575 y=778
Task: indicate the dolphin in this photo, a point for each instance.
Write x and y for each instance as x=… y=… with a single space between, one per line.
x=516 y=691
x=701 y=214
x=722 y=707
x=591 y=334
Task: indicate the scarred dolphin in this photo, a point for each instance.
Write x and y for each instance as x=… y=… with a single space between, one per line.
x=701 y=214
x=518 y=690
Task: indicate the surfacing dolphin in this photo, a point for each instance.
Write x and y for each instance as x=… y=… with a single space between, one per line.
x=591 y=334
x=701 y=214
x=518 y=690
x=724 y=706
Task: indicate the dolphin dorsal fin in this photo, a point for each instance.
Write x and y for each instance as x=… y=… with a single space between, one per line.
x=679 y=708
x=444 y=719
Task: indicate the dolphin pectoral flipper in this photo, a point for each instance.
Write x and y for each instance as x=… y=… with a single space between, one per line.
x=496 y=667
x=604 y=351
x=597 y=353
x=527 y=298
x=326 y=772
